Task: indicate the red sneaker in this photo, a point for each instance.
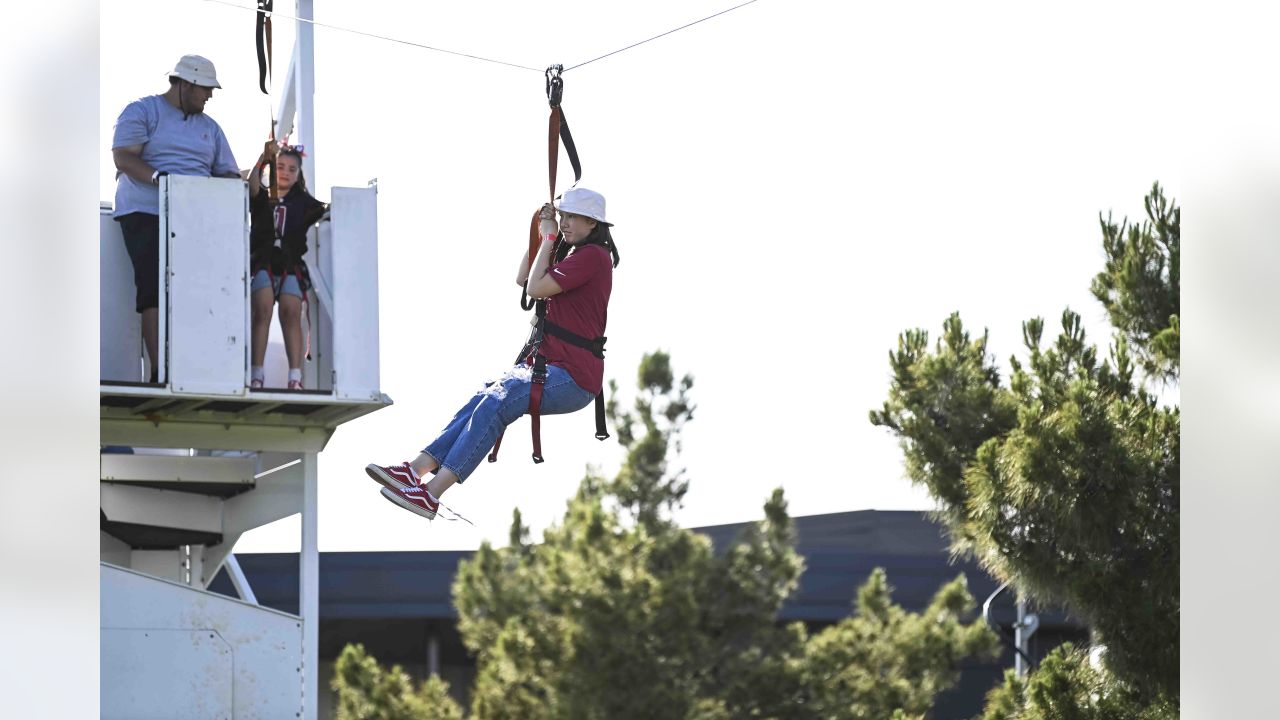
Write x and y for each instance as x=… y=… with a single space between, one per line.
x=295 y=385
x=396 y=477
x=415 y=499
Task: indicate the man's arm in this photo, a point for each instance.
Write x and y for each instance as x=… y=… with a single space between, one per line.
x=129 y=161
x=224 y=161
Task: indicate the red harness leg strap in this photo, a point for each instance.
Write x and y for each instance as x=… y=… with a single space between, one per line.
x=536 y=383
x=493 y=454
x=535 y=403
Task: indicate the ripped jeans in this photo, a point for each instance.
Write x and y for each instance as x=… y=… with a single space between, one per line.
x=471 y=434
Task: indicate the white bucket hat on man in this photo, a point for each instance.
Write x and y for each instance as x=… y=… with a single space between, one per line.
x=581 y=201
x=196 y=70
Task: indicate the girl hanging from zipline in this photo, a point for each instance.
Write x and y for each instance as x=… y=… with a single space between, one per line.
x=561 y=369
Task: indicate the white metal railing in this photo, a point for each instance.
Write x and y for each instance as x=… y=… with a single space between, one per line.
x=204 y=324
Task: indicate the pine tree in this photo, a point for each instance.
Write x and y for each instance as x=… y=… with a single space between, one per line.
x=1140 y=285
x=1064 y=481
x=1067 y=686
x=367 y=691
x=885 y=659
x=620 y=613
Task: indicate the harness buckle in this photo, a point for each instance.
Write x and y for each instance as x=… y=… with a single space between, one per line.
x=555 y=85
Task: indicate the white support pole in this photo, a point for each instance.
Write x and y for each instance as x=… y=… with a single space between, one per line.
x=288 y=98
x=160 y=363
x=433 y=653
x=238 y=580
x=195 y=566
x=1027 y=625
x=304 y=81
x=1020 y=639
x=309 y=587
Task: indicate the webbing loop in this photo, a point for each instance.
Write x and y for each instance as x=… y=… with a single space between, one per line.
x=555 y=84
x=262 y=35
x=262 y=38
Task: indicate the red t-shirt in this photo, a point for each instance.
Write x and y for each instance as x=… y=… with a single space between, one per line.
x=586 y=277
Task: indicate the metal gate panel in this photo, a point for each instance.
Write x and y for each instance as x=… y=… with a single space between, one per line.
x=353 y=270
x=208 y=319
x=119 y=324
x=163 y=674
x=156 y=640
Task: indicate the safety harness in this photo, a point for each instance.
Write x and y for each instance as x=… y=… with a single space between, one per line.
x=530 y=354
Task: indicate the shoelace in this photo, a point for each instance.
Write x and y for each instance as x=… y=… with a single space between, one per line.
x=455 y=514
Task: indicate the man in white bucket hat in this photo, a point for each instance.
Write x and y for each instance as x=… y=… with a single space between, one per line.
x=166 y=134
x=560 y=370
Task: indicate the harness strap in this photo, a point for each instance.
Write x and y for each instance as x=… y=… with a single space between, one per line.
x=262 y=38
x=539 y=379
x=525 y=356
x=594 y=345
x=262 y=35
x=570 y=149
x=557 y=131
x=553 y=150
x=602 y=432
x=493 y=454
x=298 y=271
x=527 y=303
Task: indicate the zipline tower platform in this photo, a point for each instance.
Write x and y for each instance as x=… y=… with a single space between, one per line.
x=193 y=461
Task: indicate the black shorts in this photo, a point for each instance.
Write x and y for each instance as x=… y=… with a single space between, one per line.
x=142 y=239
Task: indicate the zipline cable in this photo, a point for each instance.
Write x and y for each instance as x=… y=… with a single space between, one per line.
x=655 y=37
x=374 y=35
x=468 y=55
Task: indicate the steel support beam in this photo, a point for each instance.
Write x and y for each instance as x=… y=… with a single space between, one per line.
x=309 y=587
x=122 y=468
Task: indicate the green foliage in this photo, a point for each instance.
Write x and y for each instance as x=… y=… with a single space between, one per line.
x=886 y=660
x=943 y=406
x=620 y=613
x=368 y=692
x=1064 y=482
x=649 y=433
x=1140 y=286
x=1066 y=687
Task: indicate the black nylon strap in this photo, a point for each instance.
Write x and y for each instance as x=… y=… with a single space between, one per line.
x=602 y=432
x=262 y=37
x=567 y=138
x=595 y=346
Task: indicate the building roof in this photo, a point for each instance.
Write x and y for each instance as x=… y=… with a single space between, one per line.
x=840 y=551
x=386 y=599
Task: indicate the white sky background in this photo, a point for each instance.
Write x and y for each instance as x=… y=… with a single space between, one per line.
x=792 y=183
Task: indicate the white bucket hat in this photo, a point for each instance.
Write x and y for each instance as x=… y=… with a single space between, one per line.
x=196 y=70
x=581 y=201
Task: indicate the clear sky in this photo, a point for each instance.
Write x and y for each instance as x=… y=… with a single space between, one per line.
x=792 y=184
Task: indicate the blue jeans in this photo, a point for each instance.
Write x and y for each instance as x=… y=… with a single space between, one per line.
x=286 y=285
x=471 y=434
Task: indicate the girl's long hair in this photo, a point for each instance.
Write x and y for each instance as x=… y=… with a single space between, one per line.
x=599 y=235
